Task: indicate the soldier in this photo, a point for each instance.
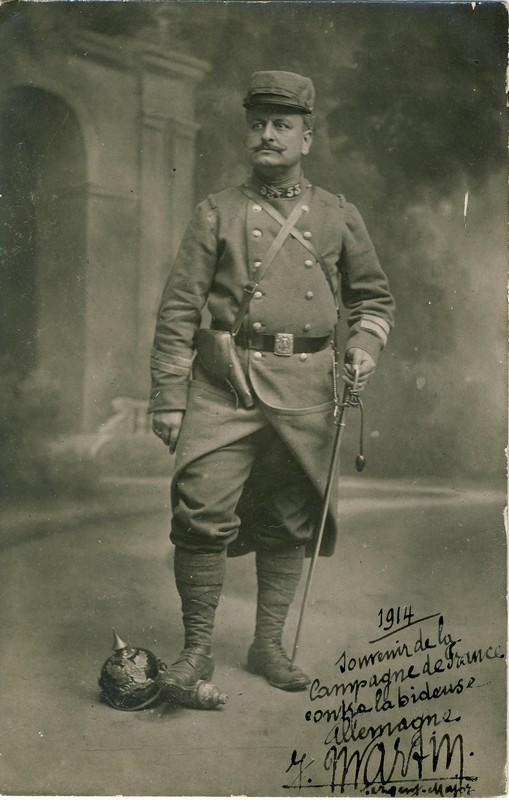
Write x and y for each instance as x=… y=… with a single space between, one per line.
x=270 y=258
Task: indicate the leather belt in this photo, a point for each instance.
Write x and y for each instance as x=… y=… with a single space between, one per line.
x=282 y=344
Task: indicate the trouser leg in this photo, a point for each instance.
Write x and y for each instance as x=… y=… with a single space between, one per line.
x=286 y=515
x=205 y=518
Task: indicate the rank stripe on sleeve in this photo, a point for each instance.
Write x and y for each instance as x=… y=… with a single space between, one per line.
x=375 y=325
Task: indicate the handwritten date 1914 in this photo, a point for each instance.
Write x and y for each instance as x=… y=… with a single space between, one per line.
x=389 y=617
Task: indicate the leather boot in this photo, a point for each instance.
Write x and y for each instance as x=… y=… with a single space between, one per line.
x=278 y=576
x=199 y=579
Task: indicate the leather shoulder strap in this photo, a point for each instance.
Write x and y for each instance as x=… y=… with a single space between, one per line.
x=287 y=225
x=274 y=213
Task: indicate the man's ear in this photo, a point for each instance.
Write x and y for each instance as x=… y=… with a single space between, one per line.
x=307 y=141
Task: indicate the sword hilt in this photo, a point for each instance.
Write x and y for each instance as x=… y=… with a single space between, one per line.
x=355 y=401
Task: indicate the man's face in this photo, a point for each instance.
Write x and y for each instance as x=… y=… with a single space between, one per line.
x=276 y=140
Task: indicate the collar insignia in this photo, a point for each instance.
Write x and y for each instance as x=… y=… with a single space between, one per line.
x=272 y=192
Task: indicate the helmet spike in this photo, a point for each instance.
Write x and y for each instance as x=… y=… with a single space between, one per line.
x=118 y=643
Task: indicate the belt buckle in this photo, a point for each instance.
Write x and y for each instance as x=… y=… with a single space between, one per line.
x=283 y=344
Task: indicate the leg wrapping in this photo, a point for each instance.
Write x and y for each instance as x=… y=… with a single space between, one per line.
x=278 y=576
x=199 y=578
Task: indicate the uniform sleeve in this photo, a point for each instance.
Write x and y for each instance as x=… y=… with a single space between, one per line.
x=364 y=288
x=179 y=315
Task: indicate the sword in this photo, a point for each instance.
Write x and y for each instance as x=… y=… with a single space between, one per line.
x=350 y=398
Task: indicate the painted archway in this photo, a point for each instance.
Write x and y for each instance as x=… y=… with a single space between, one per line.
x=43 y=234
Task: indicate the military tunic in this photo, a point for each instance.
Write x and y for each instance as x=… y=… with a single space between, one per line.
x=223 y=248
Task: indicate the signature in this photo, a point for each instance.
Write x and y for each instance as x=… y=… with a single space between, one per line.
x=389 y=768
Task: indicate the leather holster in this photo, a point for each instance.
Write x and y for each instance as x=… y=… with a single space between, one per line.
x=218 y=356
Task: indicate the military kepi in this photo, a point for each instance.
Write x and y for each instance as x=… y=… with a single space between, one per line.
x=274 y=87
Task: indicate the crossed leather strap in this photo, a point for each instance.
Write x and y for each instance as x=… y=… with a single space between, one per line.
x=287 y=229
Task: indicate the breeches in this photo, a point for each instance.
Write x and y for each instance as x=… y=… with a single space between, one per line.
x=252 y=478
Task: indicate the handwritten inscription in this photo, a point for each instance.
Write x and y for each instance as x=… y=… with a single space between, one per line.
x=389 y=721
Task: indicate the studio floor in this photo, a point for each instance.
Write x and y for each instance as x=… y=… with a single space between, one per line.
x=434 y=549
